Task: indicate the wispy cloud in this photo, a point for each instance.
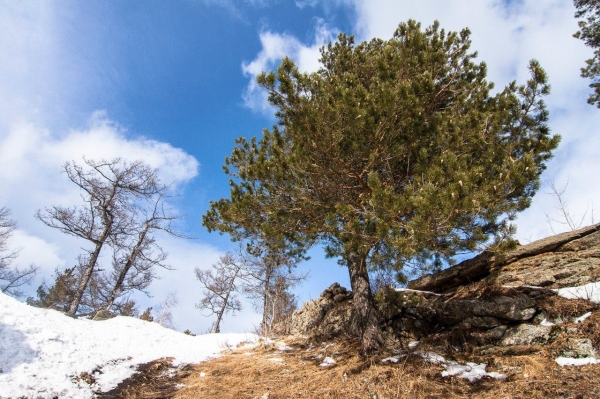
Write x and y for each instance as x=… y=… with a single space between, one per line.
x=275 y=46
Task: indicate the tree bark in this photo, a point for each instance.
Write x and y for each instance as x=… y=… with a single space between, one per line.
x=130 y=260
x=266 y=288
x=217 y=328
x=87 y=274
x=366 y=317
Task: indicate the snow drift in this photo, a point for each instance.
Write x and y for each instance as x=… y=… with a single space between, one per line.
x=42 y=352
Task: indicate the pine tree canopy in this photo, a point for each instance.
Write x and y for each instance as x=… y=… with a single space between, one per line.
x=395 y=150
x=589 y=32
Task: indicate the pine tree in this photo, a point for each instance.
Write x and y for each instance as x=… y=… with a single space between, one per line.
x=393 y=152
x=60 y=294
x=589 y=32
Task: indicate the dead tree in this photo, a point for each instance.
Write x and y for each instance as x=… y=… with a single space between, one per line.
x=109 y=190
x=11 y=278
x=221 y=285
x=136 y=259
x=271 y=277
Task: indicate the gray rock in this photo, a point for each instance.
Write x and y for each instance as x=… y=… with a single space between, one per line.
x=527 y=334
x=487 y=313
x=579 y=347
x=328 y=315
x=563 y=260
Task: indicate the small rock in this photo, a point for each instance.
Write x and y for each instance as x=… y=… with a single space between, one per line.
x=103 y=314
x=579 y=348
x=527 y=334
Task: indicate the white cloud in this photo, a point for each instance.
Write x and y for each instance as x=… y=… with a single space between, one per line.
x=32 y=157
x=275 y=46
x=35 y=251
x=31 y=160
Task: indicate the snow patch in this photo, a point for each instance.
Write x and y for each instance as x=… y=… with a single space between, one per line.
x=43 y=352
x=590 y=292
x=431 y=357
x=282 y=346
x=582 y=361
x=470 y=371
x=328 y=362
x=582 y=318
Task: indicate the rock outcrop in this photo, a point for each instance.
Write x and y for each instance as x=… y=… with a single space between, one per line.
x=492 y=300
x=328 y=315
x=563 y=260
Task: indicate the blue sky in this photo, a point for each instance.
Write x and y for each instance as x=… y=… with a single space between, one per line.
x=171 y=82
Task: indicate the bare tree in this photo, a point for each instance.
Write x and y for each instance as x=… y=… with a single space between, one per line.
x=164 y=315
x=11 y=278
x=270 y=269
x=221 y=286
x=110 y=190
x=562 y=207
x=135 y=260
x=280 y=306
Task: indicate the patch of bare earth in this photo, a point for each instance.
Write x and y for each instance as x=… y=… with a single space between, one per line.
x=268 y=372
x=157 y=379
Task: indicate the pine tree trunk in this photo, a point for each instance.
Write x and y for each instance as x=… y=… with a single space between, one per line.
x=366 y=318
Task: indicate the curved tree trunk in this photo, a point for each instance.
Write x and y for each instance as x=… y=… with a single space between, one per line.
x=366 y=316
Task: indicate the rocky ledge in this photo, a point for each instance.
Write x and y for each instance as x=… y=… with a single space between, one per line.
x=493 y=302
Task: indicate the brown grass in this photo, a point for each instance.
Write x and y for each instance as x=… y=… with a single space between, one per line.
x=266 y=372
x=254 y=374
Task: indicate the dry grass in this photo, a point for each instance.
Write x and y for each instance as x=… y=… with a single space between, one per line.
x=255 y=374
x=267 y=372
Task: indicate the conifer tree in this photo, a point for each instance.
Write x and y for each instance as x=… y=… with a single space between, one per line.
x=589 y=32
x=393 y=151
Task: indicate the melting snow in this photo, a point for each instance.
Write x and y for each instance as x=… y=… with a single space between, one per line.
x=328 y=362
x=431 y=357
x=282 y=346
x=590 y=292
x=469 y=371
x=582 y=318
x=42 y=352
x=569 y=361
x=546 y=323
